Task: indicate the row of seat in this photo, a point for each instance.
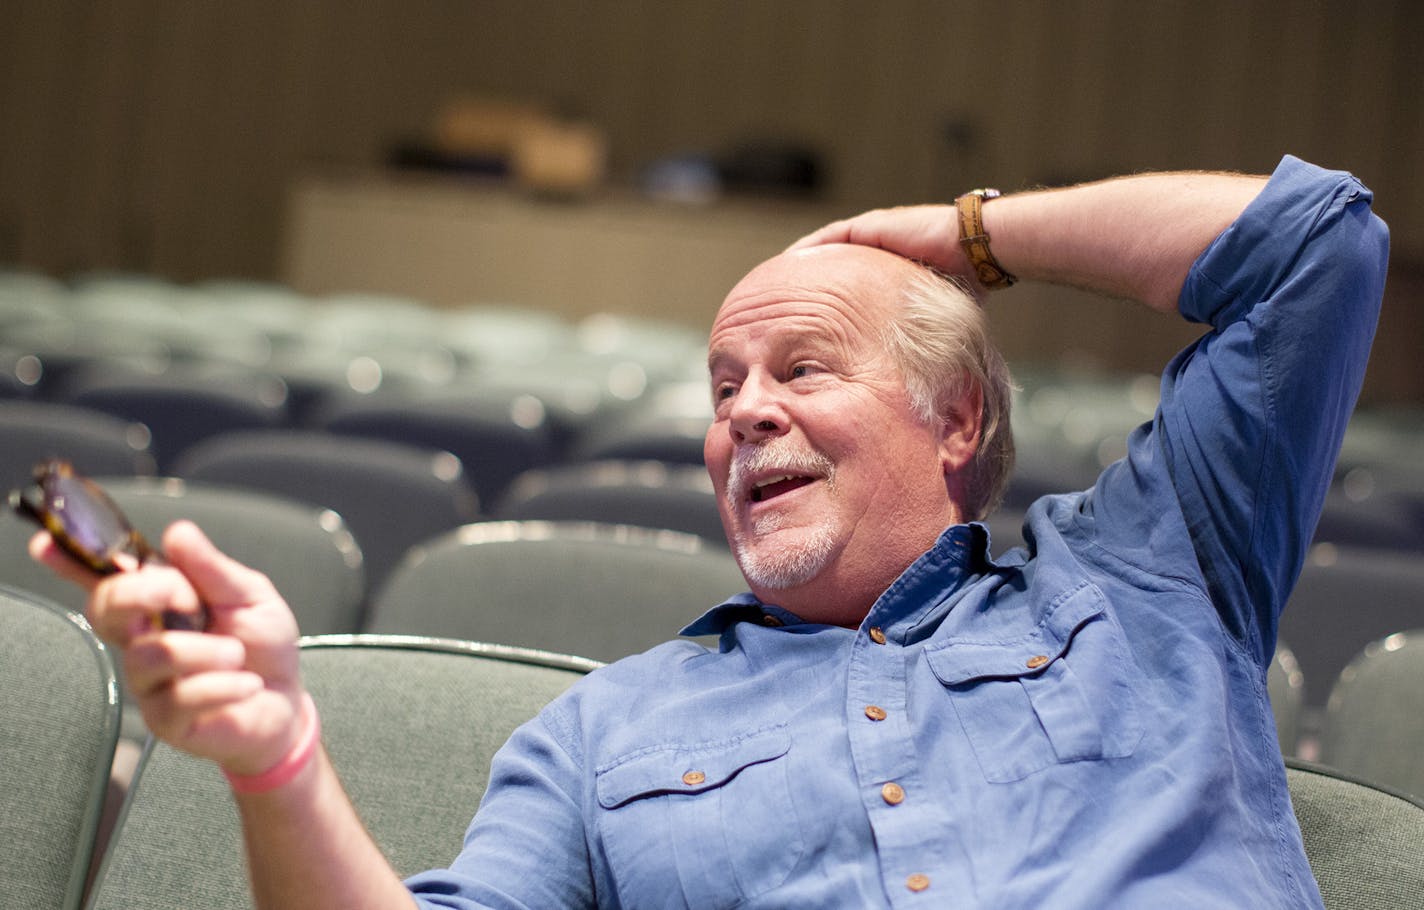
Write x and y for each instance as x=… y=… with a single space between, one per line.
x=417 y=455
x=184 y=359
x=391 y=494
x=500 y=428
x=557 y=585
x=506 y=389
x=496 y=426
x=177 y=843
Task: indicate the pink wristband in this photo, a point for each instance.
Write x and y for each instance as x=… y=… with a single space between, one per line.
x=290 y=765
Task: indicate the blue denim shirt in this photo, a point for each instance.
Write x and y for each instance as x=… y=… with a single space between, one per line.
x=1082 y=722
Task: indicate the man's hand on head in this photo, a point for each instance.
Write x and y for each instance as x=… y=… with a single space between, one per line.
x=925 y=233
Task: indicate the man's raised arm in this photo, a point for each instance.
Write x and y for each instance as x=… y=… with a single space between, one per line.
x=1289 y=274
x=1130 y=237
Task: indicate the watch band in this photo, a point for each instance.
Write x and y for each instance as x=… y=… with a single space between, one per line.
x=975 y=240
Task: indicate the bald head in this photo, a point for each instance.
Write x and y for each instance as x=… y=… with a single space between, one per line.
x=872 y=276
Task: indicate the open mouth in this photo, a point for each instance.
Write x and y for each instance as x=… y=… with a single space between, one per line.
x=772 y=487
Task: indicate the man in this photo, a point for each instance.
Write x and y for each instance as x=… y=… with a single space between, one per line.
x=896 y=717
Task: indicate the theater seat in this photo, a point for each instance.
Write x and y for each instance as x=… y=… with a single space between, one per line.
x=1373 y=727
x=599 y=591
x=179 y=845
x=59 y=723
x=1363 y=842
x=1345 y=598
x=650 y=494
x=391 y=496
x=93 y=441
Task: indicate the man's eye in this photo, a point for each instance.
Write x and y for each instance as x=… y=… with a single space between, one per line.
x=723 y=392
x=800 y=370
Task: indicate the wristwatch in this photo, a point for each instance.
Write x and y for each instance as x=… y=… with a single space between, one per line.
x=975 y=239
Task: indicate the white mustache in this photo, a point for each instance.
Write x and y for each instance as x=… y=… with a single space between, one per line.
x=777 y=454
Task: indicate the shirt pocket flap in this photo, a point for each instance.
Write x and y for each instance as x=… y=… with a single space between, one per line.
x=959 y=661
x=687 y=769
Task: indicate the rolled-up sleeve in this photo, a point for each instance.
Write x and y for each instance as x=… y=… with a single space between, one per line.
x=1253 y=414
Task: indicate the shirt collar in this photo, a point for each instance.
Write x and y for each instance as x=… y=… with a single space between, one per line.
x=927 y=581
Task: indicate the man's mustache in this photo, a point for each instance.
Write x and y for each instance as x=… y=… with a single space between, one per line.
x=779 y=454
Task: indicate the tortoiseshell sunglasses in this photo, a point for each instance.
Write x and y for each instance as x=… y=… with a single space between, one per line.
x=86 y=524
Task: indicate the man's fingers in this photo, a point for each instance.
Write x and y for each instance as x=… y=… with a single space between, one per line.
x=205 y=691
x=174 y=712
x=866 y=229
x=154 y=660
x=835 y=232
x=220 y=580
x=45 y=551
x=925 y=233
x=128 y=604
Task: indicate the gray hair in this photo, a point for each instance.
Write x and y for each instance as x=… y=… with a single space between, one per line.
x=940 y=340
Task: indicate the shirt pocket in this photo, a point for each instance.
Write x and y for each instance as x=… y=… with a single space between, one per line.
x=710 y=824
x=1061 y=692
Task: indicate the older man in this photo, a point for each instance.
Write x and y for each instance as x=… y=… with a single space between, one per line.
x=896 y=716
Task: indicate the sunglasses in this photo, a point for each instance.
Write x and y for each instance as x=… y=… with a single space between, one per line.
x=86 y=524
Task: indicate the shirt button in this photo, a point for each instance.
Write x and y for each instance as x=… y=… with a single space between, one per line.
x=893 y=793
x=693 y=778
x=877 y=635
x=917 y=882
x=1036 y=661
x=875 y=712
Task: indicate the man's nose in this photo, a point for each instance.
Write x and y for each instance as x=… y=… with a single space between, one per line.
x=757 y=413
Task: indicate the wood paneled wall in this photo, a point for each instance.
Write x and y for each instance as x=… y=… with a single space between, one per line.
x=163 y=135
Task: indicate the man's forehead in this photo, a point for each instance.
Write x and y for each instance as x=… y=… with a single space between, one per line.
x=794 y=328
x=829 y=298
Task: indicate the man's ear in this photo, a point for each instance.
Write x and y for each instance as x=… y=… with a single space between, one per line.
x=959 y=430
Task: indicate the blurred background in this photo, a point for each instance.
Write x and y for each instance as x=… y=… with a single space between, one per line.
x=430 y=279
x=639 y=156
